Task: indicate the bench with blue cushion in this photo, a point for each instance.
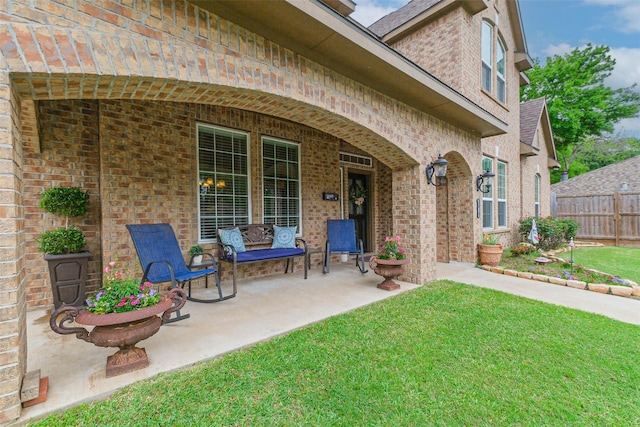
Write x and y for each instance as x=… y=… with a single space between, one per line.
x=260 y=242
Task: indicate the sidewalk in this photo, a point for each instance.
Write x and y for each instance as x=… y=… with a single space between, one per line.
x=619 y=308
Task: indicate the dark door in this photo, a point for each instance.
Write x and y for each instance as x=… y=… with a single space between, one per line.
x=358 y=202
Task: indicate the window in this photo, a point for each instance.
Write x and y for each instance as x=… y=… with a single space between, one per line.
x=223 y=173
x=501 y=87
x=536 y=192
x=493 y=63
x=281 y=183
x=487 y=198
x=502 y=194
x=487 y=55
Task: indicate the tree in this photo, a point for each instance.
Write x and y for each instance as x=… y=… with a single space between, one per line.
x=579 y=104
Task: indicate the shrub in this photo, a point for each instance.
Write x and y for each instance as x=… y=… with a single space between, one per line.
x=522 y=249
x=67 y=202
x=552 y=232
x=61 y=241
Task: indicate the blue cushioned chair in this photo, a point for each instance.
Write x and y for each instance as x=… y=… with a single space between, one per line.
x=162 y=260
x=341 y=238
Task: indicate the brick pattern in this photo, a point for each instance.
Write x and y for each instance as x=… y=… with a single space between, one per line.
x=117 y=110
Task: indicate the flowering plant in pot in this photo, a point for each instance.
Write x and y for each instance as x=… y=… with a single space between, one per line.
x=64 y=246
x=388 y=262
x=120 y=294
x=123 y=312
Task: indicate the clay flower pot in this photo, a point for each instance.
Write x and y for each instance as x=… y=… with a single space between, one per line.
x=123 y=330
x=389 y=269
x=490 y=254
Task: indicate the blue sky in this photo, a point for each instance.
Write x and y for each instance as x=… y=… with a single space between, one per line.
x=555 y=27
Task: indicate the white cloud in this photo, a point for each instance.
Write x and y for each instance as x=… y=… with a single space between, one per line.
x=627 y=12
x=369 y=11
x=627 y=69
x=558 y=49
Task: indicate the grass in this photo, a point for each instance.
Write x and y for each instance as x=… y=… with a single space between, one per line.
x=445 y=354
x=622 y=262
x=616 y=261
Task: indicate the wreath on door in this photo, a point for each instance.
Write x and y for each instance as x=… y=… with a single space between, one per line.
x=357 y=194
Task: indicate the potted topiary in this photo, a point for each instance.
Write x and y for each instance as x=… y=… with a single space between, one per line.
x=64 y=246
x=196 y=252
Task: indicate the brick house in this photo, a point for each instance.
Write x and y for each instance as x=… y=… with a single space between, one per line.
x=209 y=113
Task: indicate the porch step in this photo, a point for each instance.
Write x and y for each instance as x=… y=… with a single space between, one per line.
x=34 y=389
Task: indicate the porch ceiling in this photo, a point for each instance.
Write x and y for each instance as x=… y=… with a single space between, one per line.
x=323 y=35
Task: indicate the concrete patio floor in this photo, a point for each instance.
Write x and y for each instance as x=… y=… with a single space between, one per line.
x=264 y=308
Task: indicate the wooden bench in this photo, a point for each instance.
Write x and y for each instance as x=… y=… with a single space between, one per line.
x=257 y=239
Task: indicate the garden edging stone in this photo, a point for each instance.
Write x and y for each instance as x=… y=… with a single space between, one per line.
x=623 y=291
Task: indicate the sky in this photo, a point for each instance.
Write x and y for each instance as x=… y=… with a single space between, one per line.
x=555 y=27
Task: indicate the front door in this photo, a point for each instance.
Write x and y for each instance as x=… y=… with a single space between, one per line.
x=358 y=202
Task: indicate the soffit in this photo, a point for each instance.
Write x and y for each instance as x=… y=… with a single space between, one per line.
x=317 y=32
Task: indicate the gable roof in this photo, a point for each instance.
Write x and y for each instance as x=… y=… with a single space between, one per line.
x=406 y=20
x=395 y=19
x=530 y=113
x=534 y=117
x=605 y=180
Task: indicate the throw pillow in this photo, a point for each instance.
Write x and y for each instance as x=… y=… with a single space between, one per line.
x=284 y=237
x=234 y=238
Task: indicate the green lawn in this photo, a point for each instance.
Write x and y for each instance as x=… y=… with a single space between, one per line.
x=445 y=354
x=622 y=262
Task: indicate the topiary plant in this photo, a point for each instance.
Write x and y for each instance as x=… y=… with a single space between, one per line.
x=67 y=202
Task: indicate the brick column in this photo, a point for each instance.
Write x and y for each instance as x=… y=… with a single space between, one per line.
x=414 y=219
x=13 y=355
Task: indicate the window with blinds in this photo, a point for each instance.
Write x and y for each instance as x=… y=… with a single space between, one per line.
x=223 y=171
x=281 y=183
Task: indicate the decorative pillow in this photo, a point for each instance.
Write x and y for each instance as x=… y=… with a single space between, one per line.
x=234 y=238
x=284 y=237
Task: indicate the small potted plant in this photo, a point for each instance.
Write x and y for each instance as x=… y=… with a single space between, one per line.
x=64 y=247
x=490 y=250
x=196 y=252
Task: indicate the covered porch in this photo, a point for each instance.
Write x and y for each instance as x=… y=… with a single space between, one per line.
x=264 y=308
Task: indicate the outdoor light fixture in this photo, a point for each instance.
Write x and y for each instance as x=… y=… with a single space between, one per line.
x=439 y=169
x=484 y=181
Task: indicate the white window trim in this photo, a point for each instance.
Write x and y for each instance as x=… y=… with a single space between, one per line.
x=249 y=204
x=489 y=65
x=501 y=76
x=299 y=195
x=498 y=198
x=488 y=197
x=536 y=189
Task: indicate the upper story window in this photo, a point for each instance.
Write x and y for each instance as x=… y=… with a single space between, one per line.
x=281 y=182
x=223 y=172
x=487 y=55
x=494 y=54
x=501 y=86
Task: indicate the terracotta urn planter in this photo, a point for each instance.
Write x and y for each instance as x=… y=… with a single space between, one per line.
x=490 y=254
x=389 y=269
x=123 y=330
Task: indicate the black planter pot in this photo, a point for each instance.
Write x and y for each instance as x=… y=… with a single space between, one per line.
x=68 y=274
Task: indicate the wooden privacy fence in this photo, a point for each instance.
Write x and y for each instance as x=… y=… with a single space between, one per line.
x=613 y=219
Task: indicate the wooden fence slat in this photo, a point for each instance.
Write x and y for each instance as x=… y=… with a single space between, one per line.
x=613 y=217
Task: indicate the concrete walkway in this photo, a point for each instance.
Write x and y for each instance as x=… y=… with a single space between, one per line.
x=264 y=308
